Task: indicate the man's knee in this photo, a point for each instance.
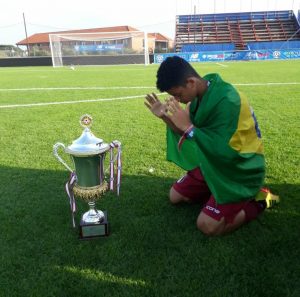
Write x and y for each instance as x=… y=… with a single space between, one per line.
x=176 y=197
x=212 y=227
x=209 y=226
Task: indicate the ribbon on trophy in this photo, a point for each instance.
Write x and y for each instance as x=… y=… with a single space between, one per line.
x=69 y=189
x=115 y=144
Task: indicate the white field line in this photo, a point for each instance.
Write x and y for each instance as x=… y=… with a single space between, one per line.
x=222 y=65
x=267 y=84
x=136 y=87
x=116 y=98
x=70 y=102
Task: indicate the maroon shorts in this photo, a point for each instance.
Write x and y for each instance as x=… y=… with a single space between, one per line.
x=193 y=186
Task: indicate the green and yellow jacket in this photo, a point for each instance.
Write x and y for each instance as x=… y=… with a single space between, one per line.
x=226 y=144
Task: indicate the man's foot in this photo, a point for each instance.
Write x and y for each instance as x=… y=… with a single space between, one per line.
x=265 y=195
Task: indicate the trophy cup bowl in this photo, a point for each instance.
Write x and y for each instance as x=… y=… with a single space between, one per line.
x=88 y=154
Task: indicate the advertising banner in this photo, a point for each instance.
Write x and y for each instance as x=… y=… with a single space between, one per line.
x=220 y=56
x=98 y=47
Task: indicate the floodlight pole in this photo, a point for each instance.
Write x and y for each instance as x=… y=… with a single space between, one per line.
x=26 y=34
x=195 y=28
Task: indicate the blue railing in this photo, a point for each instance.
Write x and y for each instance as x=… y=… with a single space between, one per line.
x=259 y=45
x=258 y=15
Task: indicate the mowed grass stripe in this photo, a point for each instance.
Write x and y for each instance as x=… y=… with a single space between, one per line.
x=77 y=88
x=137 y=87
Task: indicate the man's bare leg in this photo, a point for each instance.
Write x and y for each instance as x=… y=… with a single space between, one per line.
x=212 y=227
x=176 y=197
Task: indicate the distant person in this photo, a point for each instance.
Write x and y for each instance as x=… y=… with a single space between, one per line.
x=216 y=139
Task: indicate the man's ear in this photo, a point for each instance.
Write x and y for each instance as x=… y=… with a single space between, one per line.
x=191 y=82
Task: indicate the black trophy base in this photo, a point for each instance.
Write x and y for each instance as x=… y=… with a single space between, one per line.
x=95 y=230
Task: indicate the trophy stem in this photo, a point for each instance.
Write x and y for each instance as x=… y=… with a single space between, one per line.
x=93 y=215
x=92 y=205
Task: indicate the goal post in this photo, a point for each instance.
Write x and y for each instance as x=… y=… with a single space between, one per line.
x=98 y=48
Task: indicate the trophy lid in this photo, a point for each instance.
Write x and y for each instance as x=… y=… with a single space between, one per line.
x=87 y=144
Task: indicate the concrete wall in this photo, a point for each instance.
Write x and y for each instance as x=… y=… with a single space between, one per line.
x=83 y=60
x=28 y=61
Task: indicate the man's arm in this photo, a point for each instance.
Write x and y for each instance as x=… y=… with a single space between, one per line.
x=160 y=110
x=170 y=124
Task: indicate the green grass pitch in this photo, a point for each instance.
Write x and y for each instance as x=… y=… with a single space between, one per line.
x=154 y=248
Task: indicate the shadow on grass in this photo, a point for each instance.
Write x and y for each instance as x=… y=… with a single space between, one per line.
x=154 y=249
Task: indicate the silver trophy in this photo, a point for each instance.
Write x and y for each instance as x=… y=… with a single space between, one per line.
x=87 y=181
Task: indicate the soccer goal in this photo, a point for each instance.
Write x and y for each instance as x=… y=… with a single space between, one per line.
x=99 y=48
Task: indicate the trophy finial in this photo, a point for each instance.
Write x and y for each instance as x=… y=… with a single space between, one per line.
x=86 y=121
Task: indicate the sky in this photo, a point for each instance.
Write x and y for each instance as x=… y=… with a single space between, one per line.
x=151 y=16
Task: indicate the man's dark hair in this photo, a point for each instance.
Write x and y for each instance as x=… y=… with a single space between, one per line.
x=173 y=72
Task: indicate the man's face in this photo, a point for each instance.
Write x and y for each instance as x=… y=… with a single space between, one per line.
x=184 y=94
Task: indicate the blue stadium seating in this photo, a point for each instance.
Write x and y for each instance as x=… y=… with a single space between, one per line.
x=239 y=31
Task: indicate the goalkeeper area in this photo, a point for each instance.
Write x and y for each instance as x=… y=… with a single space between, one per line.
x=99 y=48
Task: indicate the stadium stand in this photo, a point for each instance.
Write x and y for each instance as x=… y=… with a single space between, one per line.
x=237 y=31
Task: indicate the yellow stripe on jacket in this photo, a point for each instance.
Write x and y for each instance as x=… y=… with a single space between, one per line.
x=246 y=139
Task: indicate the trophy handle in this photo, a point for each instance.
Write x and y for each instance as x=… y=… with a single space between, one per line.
x=55 y=149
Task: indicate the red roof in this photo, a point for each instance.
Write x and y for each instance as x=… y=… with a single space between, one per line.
x=44 y=37
x=158 y=37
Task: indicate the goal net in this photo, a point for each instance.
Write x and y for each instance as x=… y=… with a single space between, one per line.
x=99 y=48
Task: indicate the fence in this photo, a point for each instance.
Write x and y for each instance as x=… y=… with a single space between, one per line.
x=219 y=56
